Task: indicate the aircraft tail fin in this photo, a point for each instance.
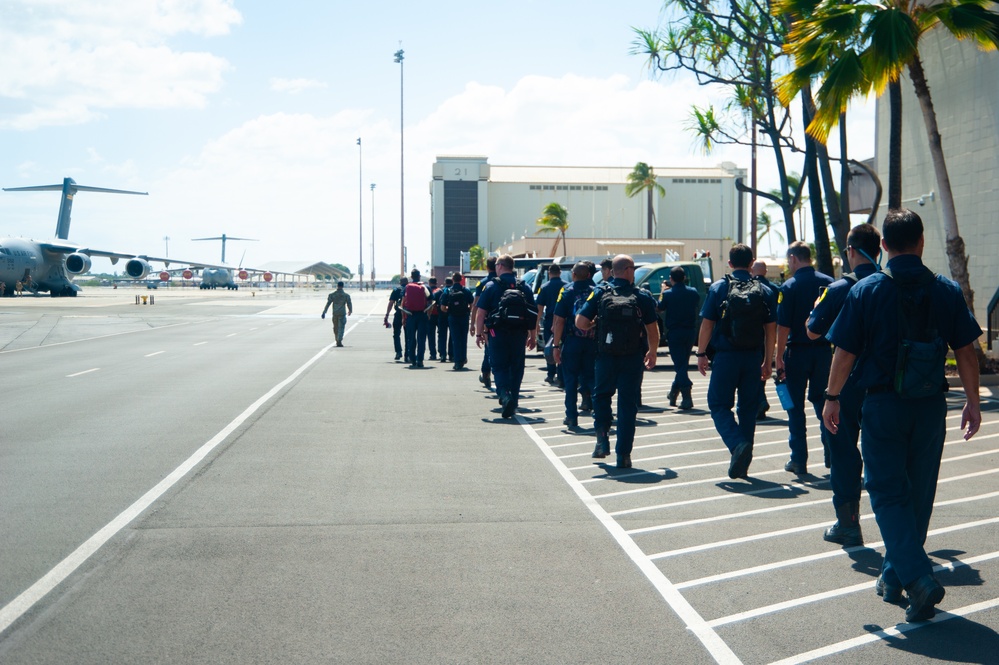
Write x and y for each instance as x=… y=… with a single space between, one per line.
x=68 y=188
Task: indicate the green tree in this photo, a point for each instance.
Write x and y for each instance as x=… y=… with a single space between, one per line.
x=765 y=229
x=555 y=219
x=643 y=179
x=477 y=257
x=858 y=47
x=344 y=273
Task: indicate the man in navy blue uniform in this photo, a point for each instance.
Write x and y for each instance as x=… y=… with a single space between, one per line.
x=575 y=350
x=506 y=347
x=679 y=303
x=485 y=371
x=863 y=245
x=546 y=314
x=457 y=304
x=395 y=303
x=742 y=339
x=801 y=362
x=903 y=428
x=623 y=352
x=433 y=318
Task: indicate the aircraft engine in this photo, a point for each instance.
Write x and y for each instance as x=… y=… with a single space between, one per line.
x=136 y=268
x=77 y=263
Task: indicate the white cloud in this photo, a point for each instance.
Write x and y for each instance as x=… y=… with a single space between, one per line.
x=66 y=62
x=295 y=86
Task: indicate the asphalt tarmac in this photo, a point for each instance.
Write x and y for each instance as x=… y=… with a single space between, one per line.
x=209 y=479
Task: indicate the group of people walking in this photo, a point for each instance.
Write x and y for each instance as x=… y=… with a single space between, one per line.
x=884 y=384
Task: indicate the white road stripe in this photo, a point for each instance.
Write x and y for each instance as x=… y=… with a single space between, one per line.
x=22 y=603
x=717 y=647
x=817 y=597
x=817 y=557
x=901 y=628
x=155 y=353
x=86 y=371
x=200 y=343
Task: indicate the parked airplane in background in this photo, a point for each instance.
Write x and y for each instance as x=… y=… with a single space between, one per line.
x=49 y=266
x=213 y=278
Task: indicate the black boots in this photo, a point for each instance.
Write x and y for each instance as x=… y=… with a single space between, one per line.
x=687 y=402
x=673 y=393
x=846 y=530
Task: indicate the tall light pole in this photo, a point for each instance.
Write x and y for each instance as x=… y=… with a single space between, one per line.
x=360 y=214
x=402 y=171
x=372 y=234
x=166 y=240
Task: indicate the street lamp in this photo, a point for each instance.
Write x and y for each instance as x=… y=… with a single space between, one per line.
x=372 y=234
x=360 y=214
x=402 y=162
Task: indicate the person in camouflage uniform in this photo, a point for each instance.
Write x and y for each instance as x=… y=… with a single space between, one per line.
x=339 y=300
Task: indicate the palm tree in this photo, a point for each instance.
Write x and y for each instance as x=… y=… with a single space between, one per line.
x=477 y=257
x=555 y=218
x=793 y=184
x=643 y=179
x=858 y=47
x=765 y=228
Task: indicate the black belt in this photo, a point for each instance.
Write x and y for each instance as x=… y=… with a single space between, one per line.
x=874 y=390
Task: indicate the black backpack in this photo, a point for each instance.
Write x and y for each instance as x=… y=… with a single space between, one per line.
x=922 y=353
x=513 y=312
x=743 y=313
x=619 y=322
x=458 y=302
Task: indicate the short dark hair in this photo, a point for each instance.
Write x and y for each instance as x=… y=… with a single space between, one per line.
x=339 y=283
x=607 y=263
x=432 y=280
x=592 y=266
x=740 y=256
x=902 y=230
x=865 y=237
x=491 y=264
x=448 y=282
x=505 y=260
x=415 y=275
x=456 y=277
x=554 y=270
x=678 y=275
x=800 y=250
x=403 y=281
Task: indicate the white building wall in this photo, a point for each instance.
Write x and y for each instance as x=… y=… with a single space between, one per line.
x=964 y=83
x=699 y=203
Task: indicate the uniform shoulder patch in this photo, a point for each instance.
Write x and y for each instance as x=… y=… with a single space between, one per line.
x=780 y=297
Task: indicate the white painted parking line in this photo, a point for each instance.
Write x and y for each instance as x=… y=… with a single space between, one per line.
x=775 y=565
x=817 y=597
x=86 y=371
x=155 y=353
x=717 y=647
x=200 y=343
x=878 y=635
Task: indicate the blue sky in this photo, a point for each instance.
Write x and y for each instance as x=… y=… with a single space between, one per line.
x=242 y=117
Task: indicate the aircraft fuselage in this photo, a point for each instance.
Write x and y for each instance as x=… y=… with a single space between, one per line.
x=24 y=259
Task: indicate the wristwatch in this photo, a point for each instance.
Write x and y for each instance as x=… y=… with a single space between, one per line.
x=701 y=355
x=828 y=397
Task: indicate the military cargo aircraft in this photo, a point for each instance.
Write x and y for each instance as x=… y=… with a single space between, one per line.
x=49 y=266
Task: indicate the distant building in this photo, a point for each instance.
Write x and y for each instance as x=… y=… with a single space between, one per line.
x=965 y=90
x=474 y=202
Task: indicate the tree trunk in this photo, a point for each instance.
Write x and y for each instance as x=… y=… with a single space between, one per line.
x=895 y=145
x=823 y=255
x=957 y=259
x=650 y=213
x=844 y=192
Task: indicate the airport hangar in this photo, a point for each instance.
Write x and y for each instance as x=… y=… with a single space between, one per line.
x=474 y=202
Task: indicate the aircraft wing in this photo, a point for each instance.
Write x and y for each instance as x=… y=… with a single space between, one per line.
x=65 y=247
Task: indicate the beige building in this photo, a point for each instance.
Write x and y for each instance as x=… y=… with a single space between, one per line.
x=964 y=83
x=474 y=202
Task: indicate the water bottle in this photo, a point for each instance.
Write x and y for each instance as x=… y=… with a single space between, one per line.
x=783 y=394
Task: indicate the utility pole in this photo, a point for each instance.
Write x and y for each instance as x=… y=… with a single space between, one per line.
x=399 y=56
x=372 y=233
x=360 y=213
